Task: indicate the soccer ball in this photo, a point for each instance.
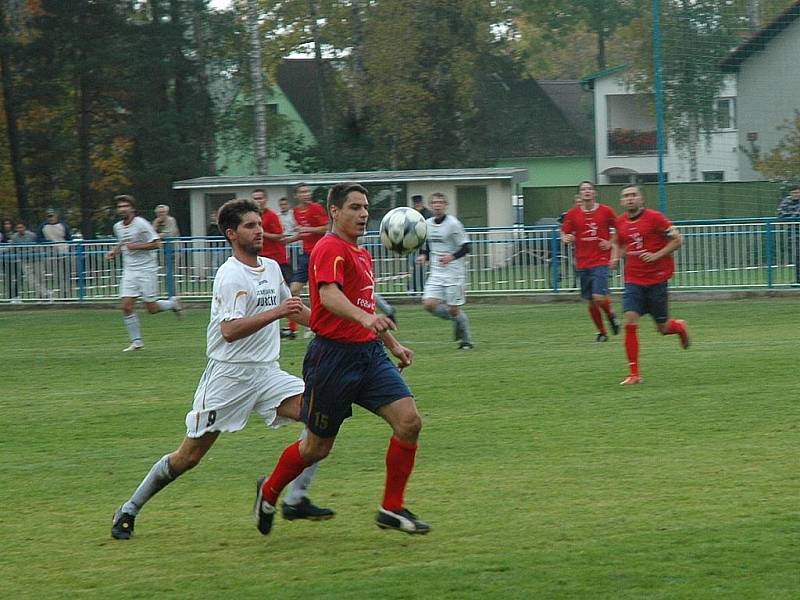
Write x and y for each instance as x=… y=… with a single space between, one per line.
x=403 y=230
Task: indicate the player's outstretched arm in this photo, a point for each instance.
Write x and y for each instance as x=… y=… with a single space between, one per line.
x=236 y=329
x=334 y=300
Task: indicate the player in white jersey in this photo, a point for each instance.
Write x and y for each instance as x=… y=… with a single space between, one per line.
x=446 y=247
x=243 y=375
x=138 y=242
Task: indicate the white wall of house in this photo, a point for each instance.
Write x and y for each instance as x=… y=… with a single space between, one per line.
x=769 y=94
x=619 y=107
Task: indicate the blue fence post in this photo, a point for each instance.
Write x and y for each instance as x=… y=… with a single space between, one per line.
x=770 y=252
x=169 y=263
x=81 y=271
x=555 y=258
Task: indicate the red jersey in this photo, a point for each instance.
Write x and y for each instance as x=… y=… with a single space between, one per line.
x=645 y=233
x=589 y=227
x=313 y=215
x=273 y=249
x=350 y=267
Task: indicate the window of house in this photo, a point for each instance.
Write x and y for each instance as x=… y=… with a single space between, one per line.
x=726 y=113
x=713 y=175
x=650 y=177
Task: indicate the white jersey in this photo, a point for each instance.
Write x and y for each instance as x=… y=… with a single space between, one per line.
x=138 y=230
x=446 y=237
x=242 y=291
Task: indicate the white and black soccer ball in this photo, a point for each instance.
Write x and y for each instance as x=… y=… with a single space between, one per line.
x=403 y=230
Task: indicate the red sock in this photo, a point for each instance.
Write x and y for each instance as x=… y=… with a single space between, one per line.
x=292 y=326
x=597 y=318
x=632 y=347
x=605 y=304
x=673 y=327
x=399 y=464
x=290 y=465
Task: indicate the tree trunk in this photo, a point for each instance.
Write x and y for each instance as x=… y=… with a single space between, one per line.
x=84 y=110
x=12 y=125
x=257 y=81
x=357 y=26
x=313 y=17
x=209 y=140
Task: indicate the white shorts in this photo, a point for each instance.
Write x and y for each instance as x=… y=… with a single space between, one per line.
x=228 y=393
x=139 y=283
x=451 y=292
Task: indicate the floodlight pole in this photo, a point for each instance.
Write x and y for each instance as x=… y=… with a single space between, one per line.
x=659 y=92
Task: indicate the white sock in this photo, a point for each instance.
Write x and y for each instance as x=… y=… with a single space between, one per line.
x=132 y=324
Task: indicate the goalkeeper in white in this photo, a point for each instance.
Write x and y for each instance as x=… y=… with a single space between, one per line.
x=446 y=247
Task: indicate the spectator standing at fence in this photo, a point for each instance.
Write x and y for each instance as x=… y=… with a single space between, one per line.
x=312 y=224
x=647 y=239
x=138 y=243
x=57 y=232
x=789 y=209
x=445 y=289
x=8 y=260
x=27 y=261
x=588 y=226
x=166 y=225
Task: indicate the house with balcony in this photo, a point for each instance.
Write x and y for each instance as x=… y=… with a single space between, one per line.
x=625 y=135
x=765 y=67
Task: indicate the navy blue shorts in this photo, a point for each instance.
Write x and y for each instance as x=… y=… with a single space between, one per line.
x=300 y=274
x=286 y=271
x=338 y=375
x=594 y=282
x=646 y=299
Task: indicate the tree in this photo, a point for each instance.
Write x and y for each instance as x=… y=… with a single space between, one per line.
x=560 y=21
x=257 y=85
x=783 y=161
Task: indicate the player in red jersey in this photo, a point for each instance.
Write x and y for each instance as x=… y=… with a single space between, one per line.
x=274 y=246
x=346 y=363
x=647 y=239
x=588 y=225
x=312 y=224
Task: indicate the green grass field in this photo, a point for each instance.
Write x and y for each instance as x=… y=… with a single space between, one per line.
x=541 y=476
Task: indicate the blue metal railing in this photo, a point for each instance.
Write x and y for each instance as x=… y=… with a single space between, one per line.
x=716 y=254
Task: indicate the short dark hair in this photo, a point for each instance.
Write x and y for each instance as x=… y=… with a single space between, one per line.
x=230 y=214
x=259 y=190
x=298 y=186
x=796 y=186
x=125 y=199
x=591 y=183
x=417 y=198
x=338 y=193
x=439 y=195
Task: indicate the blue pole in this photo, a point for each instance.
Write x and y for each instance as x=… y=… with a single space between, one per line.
x=659 y=93
x=555 y=259
x=169 y=263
